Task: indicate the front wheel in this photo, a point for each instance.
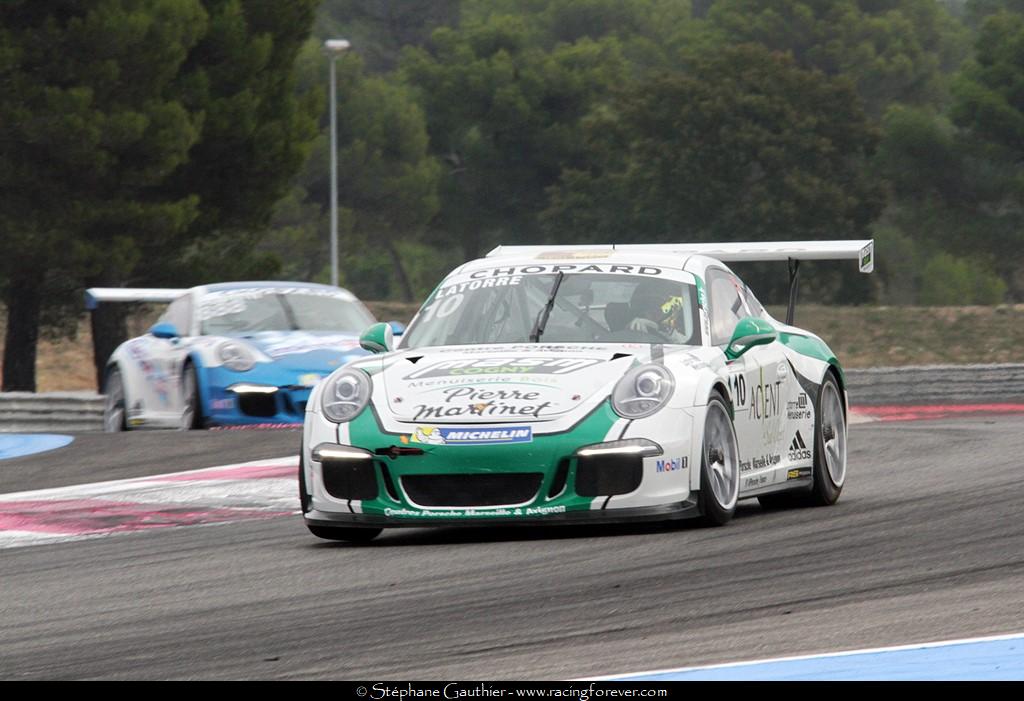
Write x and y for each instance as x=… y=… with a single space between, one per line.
x=719 y=465
x=303 y=495
x=191 y=413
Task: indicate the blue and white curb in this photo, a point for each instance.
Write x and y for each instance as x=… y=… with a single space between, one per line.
x=995 y=658
x=18 y=445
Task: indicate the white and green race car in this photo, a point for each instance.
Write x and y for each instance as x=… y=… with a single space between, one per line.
x=592 y=384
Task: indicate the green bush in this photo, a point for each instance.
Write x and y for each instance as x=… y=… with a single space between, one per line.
x=947 y=280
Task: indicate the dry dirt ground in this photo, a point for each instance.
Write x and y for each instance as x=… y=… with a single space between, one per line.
x=860 y=337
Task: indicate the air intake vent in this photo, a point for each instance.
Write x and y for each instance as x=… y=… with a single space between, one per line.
x=472 y=490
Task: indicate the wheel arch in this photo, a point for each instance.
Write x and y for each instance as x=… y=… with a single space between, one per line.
x=127 y=388
x=723 y=389
x=697 y=435
x=195 y=360
x=698 y=389
x=840 y=378
x=113 y=365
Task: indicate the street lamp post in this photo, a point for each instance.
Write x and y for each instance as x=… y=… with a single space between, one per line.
x=334 y=48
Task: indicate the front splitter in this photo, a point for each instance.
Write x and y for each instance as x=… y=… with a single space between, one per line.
x=663 y=512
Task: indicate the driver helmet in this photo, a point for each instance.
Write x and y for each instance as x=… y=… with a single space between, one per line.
x=653 y=299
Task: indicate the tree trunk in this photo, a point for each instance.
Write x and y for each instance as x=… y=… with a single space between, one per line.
x=699 y=8
x=109 y=330
x=403 y=276
x=23 y=303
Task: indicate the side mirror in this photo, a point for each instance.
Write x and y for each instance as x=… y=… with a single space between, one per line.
x=164 y=329
x=397 y=327
x=379 y=338
x=750 y=332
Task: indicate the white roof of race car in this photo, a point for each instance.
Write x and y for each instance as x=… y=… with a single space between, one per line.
x=95 y=295
x=860 y=250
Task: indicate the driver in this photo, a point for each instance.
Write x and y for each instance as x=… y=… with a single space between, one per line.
x=654 y=312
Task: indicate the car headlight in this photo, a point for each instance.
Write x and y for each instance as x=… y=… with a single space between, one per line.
x=345 y=395
x=235 y=356
x=642 y=391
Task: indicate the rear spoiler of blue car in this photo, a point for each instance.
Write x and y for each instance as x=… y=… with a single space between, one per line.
x=862 y=250
x=95 y=295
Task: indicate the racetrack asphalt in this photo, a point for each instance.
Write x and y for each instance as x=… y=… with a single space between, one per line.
x=926 y=544
x=98 y=457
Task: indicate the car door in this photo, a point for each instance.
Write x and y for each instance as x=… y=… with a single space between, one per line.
x=163 y=362
x=759 y=382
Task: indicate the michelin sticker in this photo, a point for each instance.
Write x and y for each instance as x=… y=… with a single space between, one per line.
x=435 y=435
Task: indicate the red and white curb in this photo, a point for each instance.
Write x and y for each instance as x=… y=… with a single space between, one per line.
x=225 y=494
x=866 y=414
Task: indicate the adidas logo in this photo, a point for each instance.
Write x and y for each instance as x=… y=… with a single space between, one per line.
x=798 y=450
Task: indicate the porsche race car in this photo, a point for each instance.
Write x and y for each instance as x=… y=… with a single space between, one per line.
x=590 y=384
x=229 y=354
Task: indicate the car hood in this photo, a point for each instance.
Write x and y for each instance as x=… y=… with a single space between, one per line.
x=305 y=351
x=503 y=383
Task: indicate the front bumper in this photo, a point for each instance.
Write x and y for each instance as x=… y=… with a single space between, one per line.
x=685 y=509
x=367 y=476
x=260 y=396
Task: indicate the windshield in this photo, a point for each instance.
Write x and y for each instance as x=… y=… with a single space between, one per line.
x=281 y=309
x=587 y=308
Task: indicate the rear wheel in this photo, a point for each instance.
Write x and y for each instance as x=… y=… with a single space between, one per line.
x=113 y=403
x=829 y=445
x=829 y=471
x=719 y=465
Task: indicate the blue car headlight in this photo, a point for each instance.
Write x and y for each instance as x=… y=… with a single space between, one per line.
x=345 y=395
x=642 y=391
x=235 y=356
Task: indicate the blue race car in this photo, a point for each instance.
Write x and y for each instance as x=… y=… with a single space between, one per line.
x=230 y=354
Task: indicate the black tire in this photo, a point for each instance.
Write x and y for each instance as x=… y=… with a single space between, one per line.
x=715 y=509
x=824 y=489
x=193 y=419
x=352 y=535
x=303 y=495
x=114 y=411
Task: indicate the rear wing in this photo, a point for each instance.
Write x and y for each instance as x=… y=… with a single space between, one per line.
x=862 y=251
x=95 y=295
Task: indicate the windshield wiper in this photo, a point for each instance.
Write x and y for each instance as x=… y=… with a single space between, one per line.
x=542 y=317
x=289 y=313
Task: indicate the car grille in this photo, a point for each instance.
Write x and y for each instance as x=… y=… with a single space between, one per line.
x=472 y=490
x=253 y=404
